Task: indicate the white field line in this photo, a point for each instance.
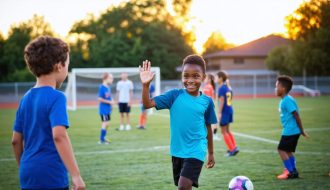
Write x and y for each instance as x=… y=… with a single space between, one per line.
x=163 y=148
x=255 y=138
x=308 y=130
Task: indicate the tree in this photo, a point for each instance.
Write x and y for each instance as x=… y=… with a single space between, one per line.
x=127 y=34
x=309 y=54
x=12 y=64
x=216 y=42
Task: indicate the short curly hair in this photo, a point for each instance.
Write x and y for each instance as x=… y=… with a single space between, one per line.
x=196 y=60
x=43 y=53
x=286 y=82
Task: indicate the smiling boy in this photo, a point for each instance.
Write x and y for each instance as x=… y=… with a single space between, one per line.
x=191 y=116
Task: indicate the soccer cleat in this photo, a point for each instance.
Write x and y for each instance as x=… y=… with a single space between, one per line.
x=232 y=153
x=140 y=127
x=284 y=175
x=128 y=127
x=107 y=140
x=121 y=127
x=103 y=142
x=293 y=174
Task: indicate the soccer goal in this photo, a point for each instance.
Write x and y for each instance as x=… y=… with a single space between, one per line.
x=83 y=83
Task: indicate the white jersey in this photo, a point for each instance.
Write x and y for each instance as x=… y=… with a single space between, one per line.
x=124 y=88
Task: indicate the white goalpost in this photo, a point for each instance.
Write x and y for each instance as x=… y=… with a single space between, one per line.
x=83 y=83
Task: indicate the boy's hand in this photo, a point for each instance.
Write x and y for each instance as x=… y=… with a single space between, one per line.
x=305 y=134
x=78 y=183
x=210 y=161
x=112 y=102
x=146 y=75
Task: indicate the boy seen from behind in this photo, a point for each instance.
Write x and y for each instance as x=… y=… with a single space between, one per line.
x=40 y=141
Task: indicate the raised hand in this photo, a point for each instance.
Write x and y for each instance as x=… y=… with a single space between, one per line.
x=146 y=75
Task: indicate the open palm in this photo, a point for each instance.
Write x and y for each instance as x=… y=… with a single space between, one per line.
x=146 y=75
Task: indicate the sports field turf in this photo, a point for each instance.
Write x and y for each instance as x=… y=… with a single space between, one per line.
x=139 y=159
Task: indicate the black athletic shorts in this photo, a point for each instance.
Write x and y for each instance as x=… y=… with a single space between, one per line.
x=186 y=167
x=105 y=117
x=124 y=108
x=288 y=143
x=65 y=188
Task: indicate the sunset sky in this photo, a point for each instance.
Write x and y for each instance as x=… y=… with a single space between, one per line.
x=239 y=21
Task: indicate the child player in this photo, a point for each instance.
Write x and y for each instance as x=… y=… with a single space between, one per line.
x=292 y=127
x=105 y=99
x=40 y=141
x=209 y=90
x=226 y=112
x=191 y=116
x=143 y=115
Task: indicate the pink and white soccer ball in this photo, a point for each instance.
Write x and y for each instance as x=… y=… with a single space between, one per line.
x=240 y=183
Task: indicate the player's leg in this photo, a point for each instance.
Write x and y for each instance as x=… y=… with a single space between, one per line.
x=284 y=150
x=226 y=138
x=104 y=127
x=128 y=122
x=121 y=112
x=190 y=172
x=232 y=138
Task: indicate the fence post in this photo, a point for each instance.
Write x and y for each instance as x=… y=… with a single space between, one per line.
x=254 y=86
x=16 y=90
x=315 y=83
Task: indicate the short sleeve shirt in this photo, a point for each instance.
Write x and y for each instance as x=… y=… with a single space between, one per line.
x=287 y=106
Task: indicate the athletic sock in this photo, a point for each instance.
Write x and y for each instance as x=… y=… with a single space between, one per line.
x=103 y=134
x=288 y=165
x=228 y=142
x=144 y=121
x=232 y=139
x=141 y=120
x=293 y=162
x=215 y=131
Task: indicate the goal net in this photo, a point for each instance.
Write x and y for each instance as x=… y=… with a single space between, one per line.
x=83 y=83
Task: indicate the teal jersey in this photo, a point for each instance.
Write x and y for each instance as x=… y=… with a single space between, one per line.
x=286 y=108
x=189 y=116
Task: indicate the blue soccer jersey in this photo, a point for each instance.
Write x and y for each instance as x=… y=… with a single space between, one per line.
x=39 y=111
x=226 y=92
x=189 y=116
x=287 y=106
x=105 y=93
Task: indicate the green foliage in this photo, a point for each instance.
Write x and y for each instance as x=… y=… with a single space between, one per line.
x=310 y=52
x=125 y=35
x=216 y=42
x=12 y=64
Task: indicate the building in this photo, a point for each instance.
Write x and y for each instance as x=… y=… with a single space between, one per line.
x=249 y=56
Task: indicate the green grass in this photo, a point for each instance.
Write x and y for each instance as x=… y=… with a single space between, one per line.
x=129 y=162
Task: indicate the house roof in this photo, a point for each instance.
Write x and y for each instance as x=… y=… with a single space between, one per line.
x=256 y=48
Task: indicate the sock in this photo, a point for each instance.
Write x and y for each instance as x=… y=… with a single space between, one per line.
x=232 y=139
x=103 y=134
x=288 y=165
x=293 y=162
x=215 y=131
x=141 y=120
x=144 y=120
x=228 y=142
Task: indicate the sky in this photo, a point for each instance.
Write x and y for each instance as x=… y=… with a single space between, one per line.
x=239 y=21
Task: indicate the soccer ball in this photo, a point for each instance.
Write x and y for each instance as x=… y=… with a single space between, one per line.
x=240 y=183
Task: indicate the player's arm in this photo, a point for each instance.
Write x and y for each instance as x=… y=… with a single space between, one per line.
x=17 y=143
x=221 y=104
x=210 y=156
x=146 y=77
x=130 y=97
x=298 y=120
x=64 y=148
x=105 y=101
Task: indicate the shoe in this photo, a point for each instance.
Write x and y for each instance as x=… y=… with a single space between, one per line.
x=294 y=174
x=232 y=153
x=284 y=175
x=103 y=142
x=141 y=127
x=107 y=140
x=216 y=137
x=121 y=128
x=128 y=127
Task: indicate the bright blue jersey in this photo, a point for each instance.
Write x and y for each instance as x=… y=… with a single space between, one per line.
x=105 y=93
x=189 y=116
x=226 y=92
x=286 y=108
x=39 y=111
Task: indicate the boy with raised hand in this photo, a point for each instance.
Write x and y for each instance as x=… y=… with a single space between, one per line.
x=292 y=127
x=40 y=141
x=105 y=101
x=191 y=116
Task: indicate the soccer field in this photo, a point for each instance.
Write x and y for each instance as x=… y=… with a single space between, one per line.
x=138 y=159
